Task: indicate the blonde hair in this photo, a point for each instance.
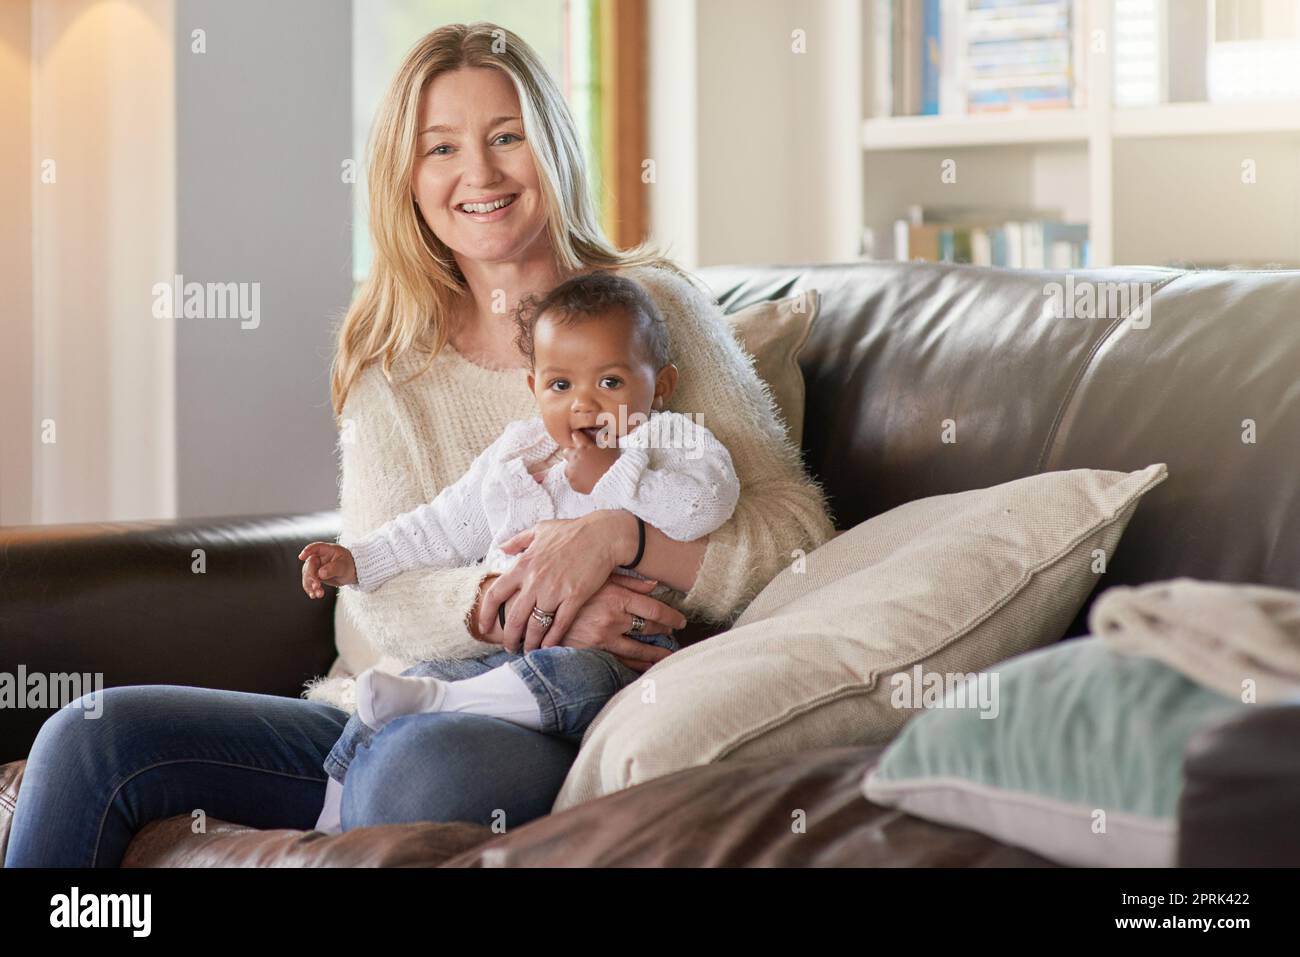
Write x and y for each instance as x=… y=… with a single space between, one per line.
x=405 y=303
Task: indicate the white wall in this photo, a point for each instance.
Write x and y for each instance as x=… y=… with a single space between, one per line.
x=103 y=115
x=758 y=150
x=673 y=136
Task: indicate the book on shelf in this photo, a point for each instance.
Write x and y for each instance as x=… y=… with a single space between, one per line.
x=962 y=57
x=1012 y=238
x=930 y=57
x=953 y=57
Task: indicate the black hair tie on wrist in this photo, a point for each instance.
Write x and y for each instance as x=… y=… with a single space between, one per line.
x=640 y=543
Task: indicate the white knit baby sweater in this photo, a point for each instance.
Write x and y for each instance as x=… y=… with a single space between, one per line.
x=672 y=473
x=400 y=444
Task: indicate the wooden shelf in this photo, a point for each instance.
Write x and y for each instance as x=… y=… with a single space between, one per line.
x=993 y=129
x=1207 y=119
x=1071 y=126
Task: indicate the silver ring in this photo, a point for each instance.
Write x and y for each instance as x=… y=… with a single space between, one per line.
x=638 y=626
x=543 y=618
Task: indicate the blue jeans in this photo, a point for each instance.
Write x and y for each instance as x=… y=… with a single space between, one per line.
x=571 y=685
x=161 y=750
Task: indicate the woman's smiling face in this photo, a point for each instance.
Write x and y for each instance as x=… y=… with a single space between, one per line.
x=471 y=148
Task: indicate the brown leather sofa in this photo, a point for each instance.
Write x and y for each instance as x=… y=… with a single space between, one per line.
x=898 y=349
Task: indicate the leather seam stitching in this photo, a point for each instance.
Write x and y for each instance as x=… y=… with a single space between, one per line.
x=1084 y=366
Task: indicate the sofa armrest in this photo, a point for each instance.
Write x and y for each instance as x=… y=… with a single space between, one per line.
x=214 y=603
x=1241 y=790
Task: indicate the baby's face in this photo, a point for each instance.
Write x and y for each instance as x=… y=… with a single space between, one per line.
x=592 y=374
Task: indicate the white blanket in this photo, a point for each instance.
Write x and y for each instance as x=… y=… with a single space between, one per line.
x=1240 y=640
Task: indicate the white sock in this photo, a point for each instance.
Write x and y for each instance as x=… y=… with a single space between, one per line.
x=329 y=821
x=381 y=696
x=499 y=693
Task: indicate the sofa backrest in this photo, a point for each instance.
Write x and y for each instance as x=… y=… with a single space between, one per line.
x=1025 y=379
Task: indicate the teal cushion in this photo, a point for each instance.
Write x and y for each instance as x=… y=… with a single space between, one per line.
x=1079 y=760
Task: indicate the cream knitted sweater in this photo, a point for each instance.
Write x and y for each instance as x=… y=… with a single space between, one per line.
x=684 y=489
x=401 y=445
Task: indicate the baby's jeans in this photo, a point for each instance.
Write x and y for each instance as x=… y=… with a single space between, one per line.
x=571 y=685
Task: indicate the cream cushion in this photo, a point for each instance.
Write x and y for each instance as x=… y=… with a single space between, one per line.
x=774 y=333
x=954 y=583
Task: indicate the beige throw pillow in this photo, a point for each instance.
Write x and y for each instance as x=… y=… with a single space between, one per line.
x=774 y=333
x=953 y=584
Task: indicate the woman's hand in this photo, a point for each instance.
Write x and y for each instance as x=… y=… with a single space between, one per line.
x=328 y=563
x=564 y=563
x=602 y=621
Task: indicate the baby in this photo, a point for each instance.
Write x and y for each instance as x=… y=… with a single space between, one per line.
x=600 y=371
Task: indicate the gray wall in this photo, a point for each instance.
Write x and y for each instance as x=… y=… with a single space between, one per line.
x=263 y=122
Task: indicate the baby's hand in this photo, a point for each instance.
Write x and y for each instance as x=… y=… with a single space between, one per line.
x=326 y=563
x=586 y=462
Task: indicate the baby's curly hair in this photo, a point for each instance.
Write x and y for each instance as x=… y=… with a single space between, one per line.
x=595 y=295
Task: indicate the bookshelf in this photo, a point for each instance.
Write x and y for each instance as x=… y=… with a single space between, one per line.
x=1157 y=184
x=1208 y=119
x=931 y=132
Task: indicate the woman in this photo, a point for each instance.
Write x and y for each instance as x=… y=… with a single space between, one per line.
x=426 y=375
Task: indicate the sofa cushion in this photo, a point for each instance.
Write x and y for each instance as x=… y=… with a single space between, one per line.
x=804 y=810
x=953 y=583
x=774 y=333
x=171 y=843
x=1240 y=781
x=1081 y=764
